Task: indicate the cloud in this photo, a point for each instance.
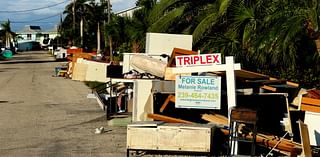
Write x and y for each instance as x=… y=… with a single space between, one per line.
x=18 y=5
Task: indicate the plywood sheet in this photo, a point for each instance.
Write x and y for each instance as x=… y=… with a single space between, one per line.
x=79 y=71
x=312 y=119
x=96 y=71
x=170 y=137
x=163 y=43
x=182 y=139
x=142 y=138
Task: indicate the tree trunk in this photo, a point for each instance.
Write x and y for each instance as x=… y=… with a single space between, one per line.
x=81 y=32
x=8 y=40
x=110 y=38
x=98 y=39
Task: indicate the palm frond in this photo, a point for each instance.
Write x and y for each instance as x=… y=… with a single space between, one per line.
x=224 y=5
x=164 y=22
x=159 y=10
x=203 y=27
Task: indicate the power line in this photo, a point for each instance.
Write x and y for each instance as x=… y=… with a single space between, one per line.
x=35 y=20
x=34 y=9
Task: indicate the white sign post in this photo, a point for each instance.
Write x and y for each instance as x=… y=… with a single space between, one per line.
x=229 y=67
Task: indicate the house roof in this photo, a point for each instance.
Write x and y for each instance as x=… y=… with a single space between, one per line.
x=30 y=29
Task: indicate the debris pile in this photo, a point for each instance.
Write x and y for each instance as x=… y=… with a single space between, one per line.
x=182 y=102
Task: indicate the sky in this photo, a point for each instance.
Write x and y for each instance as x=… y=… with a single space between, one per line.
x=43 y=13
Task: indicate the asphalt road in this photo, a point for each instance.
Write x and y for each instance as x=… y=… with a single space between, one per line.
x=45 y=116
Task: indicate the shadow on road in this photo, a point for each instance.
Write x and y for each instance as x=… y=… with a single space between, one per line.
x=26 y=62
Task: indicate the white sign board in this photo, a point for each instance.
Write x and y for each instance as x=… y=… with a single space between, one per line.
x=163 y=43
x=201 y=92
x=197 y=60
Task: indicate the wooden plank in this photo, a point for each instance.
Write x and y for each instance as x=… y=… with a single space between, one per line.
x=170 y=137
x=304 y=134
x=142 y=138
x=167 y=119
x=215 y=118
x=307 y=107
x=178 y=52
x=269 y=88
x=267 y=82
x=311 y=101
x=293 y=84
x=270 y=141
x=169 y=75
x=179 y=138
x=170 y=98
x=250 y=75
x=310 y=104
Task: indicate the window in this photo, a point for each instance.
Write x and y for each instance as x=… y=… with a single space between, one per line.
x=46 y=36
x=28 y=36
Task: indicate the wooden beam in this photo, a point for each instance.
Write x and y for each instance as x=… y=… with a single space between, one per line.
x=310 y=104
x=306 y=107
x=170 y=98
x=311 y=101
x=215 y=118
x=204 y=68
x=304 y=134
x=273 y=89
x=178 y=52
x=167 y=119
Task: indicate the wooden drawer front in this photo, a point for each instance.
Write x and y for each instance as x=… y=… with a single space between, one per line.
x=142 y=138
x=184 y=139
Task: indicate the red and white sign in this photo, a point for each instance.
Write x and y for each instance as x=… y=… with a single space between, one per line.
x=196 y=60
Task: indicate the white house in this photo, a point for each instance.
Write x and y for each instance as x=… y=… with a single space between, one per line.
x=127 y=12
x=32 y=37
x=35 y=33
x=30 y=33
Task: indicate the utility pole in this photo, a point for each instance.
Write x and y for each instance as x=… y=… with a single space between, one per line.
x=81 y=31
x=74 y=20
x=110 y=38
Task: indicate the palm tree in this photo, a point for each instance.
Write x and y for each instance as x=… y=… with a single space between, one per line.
x=8 y=34
x=78 y=14
x=273 y=37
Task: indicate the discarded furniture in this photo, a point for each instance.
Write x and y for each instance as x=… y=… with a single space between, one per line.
x=284 y=146
x=148 y=64
x=240 y=118
x=171 y=137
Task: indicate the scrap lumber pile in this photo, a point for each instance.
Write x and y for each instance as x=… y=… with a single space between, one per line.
x=311 y=101
x=268 y=95
x=273 y=142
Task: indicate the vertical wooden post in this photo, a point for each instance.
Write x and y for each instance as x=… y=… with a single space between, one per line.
x=231 y=83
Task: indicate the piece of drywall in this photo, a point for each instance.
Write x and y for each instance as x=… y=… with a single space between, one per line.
x=162 y=43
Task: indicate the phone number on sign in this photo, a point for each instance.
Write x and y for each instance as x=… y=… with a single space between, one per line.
x=189 y=95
